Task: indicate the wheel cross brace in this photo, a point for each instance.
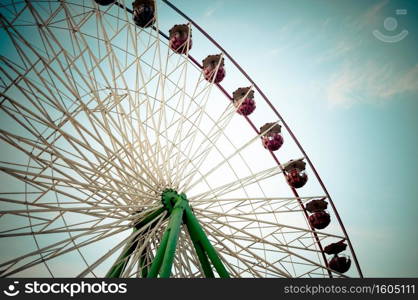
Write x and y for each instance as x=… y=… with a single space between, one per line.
x=179 y=212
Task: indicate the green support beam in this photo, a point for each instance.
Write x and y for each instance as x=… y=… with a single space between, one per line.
x=122 y=260
x=199 y=237
x=179 y=212
x=142 y=261
x=164 y=258
x=204 y=261
x=159 y=256
x=118 y=268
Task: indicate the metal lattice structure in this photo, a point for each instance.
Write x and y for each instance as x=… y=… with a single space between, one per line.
x=100 y=118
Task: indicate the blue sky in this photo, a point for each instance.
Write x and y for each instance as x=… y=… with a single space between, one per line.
x=350 y=98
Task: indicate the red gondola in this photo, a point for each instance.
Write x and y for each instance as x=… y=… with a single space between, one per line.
x=296 y=176
x=144 y=13
x=214 y=68
x=340 y=263
x=180 y=38
x=335 y=248
x=244 y=100
x=320 y=220
x=271 y=137
x=316 y=205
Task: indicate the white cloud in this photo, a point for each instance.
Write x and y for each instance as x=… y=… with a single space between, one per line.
x=210 y=10
x=360 y=77
x=370 y=82
x=371 y=17
x=359 y=29
x=373 y=12
x=407 y=82
x=342 y=47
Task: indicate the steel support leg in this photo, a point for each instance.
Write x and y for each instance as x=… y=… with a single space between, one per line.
x=179 y=211
x=199 y=237
x=164 y=258
x=120 y=264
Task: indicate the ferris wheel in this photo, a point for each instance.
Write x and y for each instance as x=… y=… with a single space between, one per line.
x=134 y=145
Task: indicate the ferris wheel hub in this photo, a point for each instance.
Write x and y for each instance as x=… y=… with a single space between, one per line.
x=170 y=198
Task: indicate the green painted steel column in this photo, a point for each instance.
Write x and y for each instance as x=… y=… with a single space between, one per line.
x=142 y=260
x=204 y=262
x=179 y=210
x=163 y=260
x=194 y=226
x=150 y=217
x=158 y=259
x=175 y=226
x=122 y=260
